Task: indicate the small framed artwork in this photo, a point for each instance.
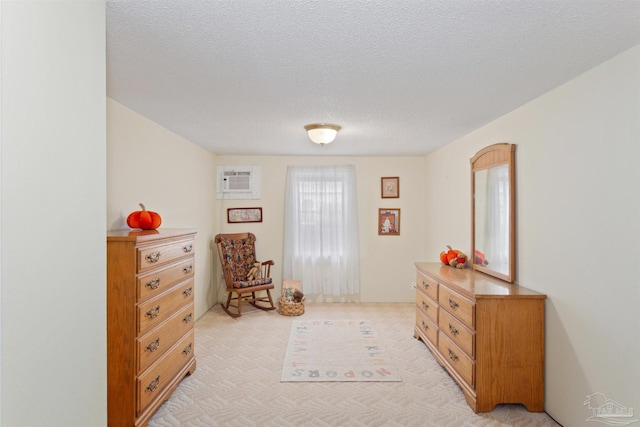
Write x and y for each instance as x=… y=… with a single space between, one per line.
x=244 y=215
x=390 y=187
x=389 y=222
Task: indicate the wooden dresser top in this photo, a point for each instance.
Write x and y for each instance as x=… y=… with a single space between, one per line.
x=145 y=235
x=474 y=284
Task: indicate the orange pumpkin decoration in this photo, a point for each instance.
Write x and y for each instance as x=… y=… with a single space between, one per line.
x=447 y=256
x=144 y=219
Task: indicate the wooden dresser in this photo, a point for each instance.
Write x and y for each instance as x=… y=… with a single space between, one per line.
x=487 y=333
x=150 y=320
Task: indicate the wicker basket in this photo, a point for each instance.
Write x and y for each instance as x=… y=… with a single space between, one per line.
x=291 y=308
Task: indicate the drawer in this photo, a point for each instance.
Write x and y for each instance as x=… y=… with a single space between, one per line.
x=427 y=285
x=149 y=257
x=457 y=359
x=151 y=383
x=157 y=341
x=158 y=281
x=427 y=328
x=457 y=332
x=156 y=310
x=428 y=306
x=460 y=307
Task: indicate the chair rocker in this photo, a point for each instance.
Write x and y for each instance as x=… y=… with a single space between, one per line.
x=237 y=257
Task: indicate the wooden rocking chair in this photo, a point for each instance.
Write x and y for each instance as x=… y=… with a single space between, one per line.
x=238 y=258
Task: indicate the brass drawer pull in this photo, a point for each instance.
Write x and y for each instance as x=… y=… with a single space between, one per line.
x=187 y=350
x=153 y=257
x=187 y=292
x=452 y=355
x=154 y=312
x=187 y=318
x=153 y=284
x=453 y=304
x=187 y=269
x=425 y=326
x=187 y=248
x=453 y=330
x=425 y=305
x=154 y=345
x=153 y=385
x=425 y=285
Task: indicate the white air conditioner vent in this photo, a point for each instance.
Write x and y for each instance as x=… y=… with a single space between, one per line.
x=238 y=182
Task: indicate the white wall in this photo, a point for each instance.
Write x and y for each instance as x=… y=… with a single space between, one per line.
x=578 y=228
x=53 y=214
x=386 y=262
x=168 y=174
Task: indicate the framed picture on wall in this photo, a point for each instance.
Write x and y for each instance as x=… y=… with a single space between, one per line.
x=390 y=187
x=389 y=221
x=244 y=215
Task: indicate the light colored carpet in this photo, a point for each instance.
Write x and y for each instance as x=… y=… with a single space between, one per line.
x=237 y=380
x=336 y=350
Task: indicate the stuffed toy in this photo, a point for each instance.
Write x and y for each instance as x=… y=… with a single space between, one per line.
x=454 y=258
x=460 y=261
x=480 y=258
x=298 y=296
x=255 y=272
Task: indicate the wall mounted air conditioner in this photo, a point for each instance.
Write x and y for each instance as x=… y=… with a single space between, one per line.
x=238 y=182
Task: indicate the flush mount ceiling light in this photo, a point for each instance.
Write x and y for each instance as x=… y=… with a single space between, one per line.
x=322 y=133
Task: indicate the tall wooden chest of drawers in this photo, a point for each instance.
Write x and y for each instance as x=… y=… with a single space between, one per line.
x=487 y=333
x=150 y=320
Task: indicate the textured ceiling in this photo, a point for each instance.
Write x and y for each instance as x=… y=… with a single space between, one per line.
x=401 y=77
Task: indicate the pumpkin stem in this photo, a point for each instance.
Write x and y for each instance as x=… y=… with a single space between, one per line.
x=142 y=206
x=450 y=248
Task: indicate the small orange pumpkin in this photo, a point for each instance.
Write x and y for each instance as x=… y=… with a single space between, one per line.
x=447 y=256
x=144 y=219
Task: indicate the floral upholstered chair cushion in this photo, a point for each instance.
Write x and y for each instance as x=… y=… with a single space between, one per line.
x=239 y=255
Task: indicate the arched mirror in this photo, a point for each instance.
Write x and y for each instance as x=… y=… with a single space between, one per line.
x=493 y=211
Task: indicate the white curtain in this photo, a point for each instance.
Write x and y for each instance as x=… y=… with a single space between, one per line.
x=497 y=250
x=321 y=230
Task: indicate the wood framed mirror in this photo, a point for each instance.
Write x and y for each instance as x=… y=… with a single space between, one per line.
x=493 y=211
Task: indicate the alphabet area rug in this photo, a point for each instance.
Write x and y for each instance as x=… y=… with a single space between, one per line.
x=336 y=350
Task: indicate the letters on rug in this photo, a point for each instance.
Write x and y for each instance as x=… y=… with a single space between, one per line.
x=336 y=350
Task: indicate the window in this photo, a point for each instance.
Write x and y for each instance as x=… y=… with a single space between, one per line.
x=321 y=230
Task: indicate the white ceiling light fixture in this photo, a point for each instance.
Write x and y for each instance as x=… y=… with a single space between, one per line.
x=322 y=133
